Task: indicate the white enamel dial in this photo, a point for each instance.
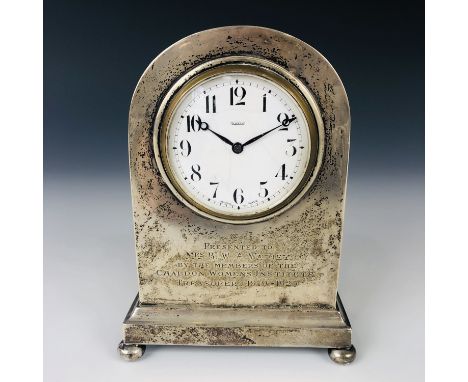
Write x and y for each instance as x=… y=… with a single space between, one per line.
x=238 y=144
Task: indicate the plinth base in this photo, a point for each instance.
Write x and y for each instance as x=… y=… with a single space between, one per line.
x=172 y=324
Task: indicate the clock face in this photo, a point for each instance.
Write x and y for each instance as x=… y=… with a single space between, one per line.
x=238 y=145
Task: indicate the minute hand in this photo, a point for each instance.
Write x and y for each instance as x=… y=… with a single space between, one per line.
x=267 y=132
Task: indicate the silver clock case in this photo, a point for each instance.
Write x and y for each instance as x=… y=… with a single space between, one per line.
x=193 y=267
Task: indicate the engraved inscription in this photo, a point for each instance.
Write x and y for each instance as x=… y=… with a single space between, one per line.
x=235 y=266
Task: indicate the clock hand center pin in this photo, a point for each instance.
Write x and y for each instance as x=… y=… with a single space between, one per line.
x=237 y=147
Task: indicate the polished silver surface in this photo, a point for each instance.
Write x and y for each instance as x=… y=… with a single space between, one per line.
x=343 y=356
x=131 y=352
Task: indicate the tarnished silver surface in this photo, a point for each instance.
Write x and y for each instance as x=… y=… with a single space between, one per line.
x=287 y=264
x=173 y=242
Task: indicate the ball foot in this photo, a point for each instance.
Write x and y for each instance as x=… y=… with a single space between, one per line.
x=342 y=356
x=130 y=352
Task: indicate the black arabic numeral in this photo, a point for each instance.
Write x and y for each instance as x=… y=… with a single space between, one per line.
x=216 y=189
x=195 y=123
x=185 y=147
x=239 y=93
x=282 y=170
x=237 y=195
x=263 y=190
x=213 y=104
x=196 y=176
x=284 y=119
x=291 y=149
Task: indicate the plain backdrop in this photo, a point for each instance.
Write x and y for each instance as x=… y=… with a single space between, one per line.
x=94 y=53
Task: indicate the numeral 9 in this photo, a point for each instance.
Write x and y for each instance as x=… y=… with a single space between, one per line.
x=185 y=147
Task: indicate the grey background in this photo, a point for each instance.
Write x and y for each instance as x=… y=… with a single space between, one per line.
x=94 y=53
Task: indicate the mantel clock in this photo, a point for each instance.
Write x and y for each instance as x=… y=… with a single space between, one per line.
x=238 y=144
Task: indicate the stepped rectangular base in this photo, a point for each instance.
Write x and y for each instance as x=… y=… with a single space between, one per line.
x=172 y=324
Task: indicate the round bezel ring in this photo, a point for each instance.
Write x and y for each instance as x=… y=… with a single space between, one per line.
x=243 y=64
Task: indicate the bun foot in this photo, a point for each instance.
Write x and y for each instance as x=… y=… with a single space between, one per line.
x=131 y=352
x=342 y=356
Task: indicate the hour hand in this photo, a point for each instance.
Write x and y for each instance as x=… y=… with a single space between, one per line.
x=224 y=139
x=205 y=126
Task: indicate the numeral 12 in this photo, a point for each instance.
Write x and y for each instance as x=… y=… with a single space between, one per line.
x=238 y=93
